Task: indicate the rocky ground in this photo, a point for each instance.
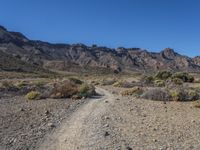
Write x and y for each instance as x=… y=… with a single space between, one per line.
x=116 y=122
x=23 y=123
x=106 y=122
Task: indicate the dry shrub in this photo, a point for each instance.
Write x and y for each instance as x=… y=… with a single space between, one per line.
x=156 y=94
x=132 y=92
x=123 y=84
x=108 y=82
x=86 y=90
x=33 y=95
x=64 y=90
x=159 y=83
x=196 y=104
x=75 y=80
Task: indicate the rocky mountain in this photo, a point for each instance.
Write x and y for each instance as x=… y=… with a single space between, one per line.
x=15 y=47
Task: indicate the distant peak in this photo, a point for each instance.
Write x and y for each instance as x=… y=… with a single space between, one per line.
x=168 y=53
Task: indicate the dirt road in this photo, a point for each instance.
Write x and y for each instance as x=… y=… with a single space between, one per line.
x=83 y=129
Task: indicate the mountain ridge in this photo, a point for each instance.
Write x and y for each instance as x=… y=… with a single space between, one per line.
x=67 y=56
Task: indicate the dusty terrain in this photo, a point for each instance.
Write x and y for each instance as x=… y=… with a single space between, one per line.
x=108 y=121
x=116 y=122
x=23 y=123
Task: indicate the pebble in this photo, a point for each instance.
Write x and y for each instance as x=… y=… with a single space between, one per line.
x=51 y=125
x=193 y=121
x=106 y=125
x=154 y=140
x=105 y=101
x=106 y=117
x=21 y=109
x=129 y=148
x=106 y=134
x=131 y=109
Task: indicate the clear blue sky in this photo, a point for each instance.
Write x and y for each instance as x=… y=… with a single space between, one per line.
x=148 y=24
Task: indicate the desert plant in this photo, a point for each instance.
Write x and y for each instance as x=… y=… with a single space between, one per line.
x=177 y=81
x=192 y=95
x=177 y=95
x=7 y=84
x=156 y=94
x=75 y=80
x=196 y=104
x=108 y=82
x=134 y=91
x=33 y=95
x=64 y=90
x=148 y=80
x=86 y=90
x=123 y=84
x=184 y=76
x=163 y=75
x=159 y=83
x=21 y=84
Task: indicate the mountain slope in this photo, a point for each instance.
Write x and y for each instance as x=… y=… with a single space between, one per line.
x=65 y=56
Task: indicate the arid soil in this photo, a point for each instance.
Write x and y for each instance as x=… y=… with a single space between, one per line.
x=116 y=122
x=107 y=122
x=23 y=123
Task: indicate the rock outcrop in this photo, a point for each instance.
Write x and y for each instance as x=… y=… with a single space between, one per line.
x=65 y=56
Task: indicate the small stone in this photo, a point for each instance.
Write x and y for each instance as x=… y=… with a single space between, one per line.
x=131 y=109
x=129 y=148
x=106 y=125
x=51 y=125
x=105 y=101
x=154 y=140
x=193 y=121
x=117 y=99
x=21 y=109
x=154 y=129
x=47 y=112
x=106 y=117
x=106 y=134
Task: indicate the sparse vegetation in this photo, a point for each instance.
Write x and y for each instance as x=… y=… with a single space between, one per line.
x=196 y=104
x=86 y=90
x=33 y=95
x=156 y=94
x=185 y=77
x=163 y=75
x=123 y=84
x=136 y=91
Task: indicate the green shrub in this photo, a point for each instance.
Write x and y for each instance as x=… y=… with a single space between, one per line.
x=86 y=90
x=163 y=75
x=177 y=81
x=75 y=80
x=33 y=95
x=148 y=80
x=185 y=77
x=177 y=95
x=21 y=84
x=159 y=83
x=192 y=95
x=134 y=91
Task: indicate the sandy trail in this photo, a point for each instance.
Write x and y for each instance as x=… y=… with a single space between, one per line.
x=83 y=128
